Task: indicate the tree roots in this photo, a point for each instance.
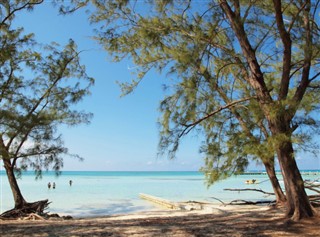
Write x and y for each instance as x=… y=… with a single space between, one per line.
x=27 y=209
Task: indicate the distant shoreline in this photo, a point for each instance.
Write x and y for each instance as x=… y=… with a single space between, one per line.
x=278 y=172
x=253 y=172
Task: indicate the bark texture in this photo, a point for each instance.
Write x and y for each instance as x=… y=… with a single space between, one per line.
x=19 y=200
x=280 y=197
x=298 y=205
x=278 y=116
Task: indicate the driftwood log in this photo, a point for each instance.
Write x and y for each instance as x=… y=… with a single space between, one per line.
x=37 y=208
x=311 y=185
x=248 y=189
x=245 y=202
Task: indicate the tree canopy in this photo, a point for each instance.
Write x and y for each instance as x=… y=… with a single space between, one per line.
x=245 y=72
x=212 y=76
x=39 y=86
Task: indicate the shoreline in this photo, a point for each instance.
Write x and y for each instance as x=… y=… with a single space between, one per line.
x=244 y=220
x=118 y=192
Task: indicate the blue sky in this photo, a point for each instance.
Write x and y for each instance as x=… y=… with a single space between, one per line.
x=123 y=134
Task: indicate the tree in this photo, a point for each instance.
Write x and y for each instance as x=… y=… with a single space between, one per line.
x=230 y=140
x=38 y=86
x=272 y=45
x=296 y=63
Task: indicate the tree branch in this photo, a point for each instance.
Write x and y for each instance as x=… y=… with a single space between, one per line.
x=58 y=78
x=314 y=77
x=286 y=41
x=247 y=189
x=304 y=82
x=257 y=79
x=30 y=3
x=231 y=104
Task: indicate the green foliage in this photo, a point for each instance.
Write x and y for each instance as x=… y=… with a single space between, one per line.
x=215 y=85
x=38 y=87
x=211 y=87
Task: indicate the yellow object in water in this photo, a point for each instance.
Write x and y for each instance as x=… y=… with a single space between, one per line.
x=251 y=181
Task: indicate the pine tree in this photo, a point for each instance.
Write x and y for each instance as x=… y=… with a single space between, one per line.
x=38 y=86
x=255 y=62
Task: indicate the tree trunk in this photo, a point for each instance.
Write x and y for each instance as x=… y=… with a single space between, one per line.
x=280 y=197
x=19 y=201
x=298 y=205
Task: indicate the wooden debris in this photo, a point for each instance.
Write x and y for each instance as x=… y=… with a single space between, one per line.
x=245 y=202
x=247 y=189
x=187 y=206
x=28 y=209
x=33 y=217
x=160 y=201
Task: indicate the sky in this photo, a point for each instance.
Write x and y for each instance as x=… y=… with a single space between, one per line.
x=123 y=134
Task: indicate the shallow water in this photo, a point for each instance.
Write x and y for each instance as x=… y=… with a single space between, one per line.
x=105 y=193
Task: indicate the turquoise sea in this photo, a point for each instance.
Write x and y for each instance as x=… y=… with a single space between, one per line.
x=106 y=193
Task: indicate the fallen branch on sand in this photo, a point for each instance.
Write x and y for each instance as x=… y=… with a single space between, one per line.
x=244 y=202
x=220 y=201
x=313 y=186
x=314 y=199
x=247 y=189
x=33 y=217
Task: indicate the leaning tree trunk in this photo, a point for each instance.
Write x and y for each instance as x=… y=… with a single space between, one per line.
x=280 y=197
x=19 y=201
x=298 y=205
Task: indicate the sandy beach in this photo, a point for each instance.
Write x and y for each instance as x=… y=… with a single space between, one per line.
x=214 y=221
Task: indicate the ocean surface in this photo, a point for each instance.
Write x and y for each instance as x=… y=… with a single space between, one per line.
x=106 y=193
